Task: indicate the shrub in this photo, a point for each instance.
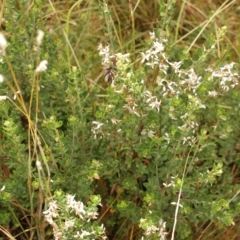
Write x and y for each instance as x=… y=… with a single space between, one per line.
x=148 y=147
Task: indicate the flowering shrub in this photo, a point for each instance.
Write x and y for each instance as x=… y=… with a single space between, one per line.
x=150 y=146
x=164 y=130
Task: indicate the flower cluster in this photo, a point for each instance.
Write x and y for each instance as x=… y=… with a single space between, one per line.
x=171 y=183
x=76 y=206
x=155 y=54
x=150 y=229
x=191 y=81
x=168 y=87
x=106 y=55
x=72 y=219
x=226 y=76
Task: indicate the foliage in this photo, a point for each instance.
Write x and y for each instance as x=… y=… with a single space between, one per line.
x=149 y=147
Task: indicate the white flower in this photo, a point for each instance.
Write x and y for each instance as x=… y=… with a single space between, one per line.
x=192 y=82
x=96 y=128
x=105 y=9
x=42 y=67
x=154 y=62
x=151 y=230
x=190 y=140
x=1 y=78
x=155 y=104
x=145 y=56
x=103 y=50
x=168 y=87
x=175 y=65
x=2 y=98
x=228 y=78
x=92 y=215
x=51 y=212
x=70 y=200
x=132 y=109
x=212 y=93
x=167 y=138
x=79 y=209
x=152 y=100
x=2 y=189
x=83 y=234
x=158 y=47
x=162 y=229
x=199 y=104
x=149 y=96
x=115 y=121
x=166 y=185
x=69 y=224
x=96 y=124
x=149 y=133
x=124 y=57
x=119 y=90
x=184 y=116
x=39 y=165
x=3 y=44
x=163 y=67
x=57 y=234
x=77 y=206
x=39 y=38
